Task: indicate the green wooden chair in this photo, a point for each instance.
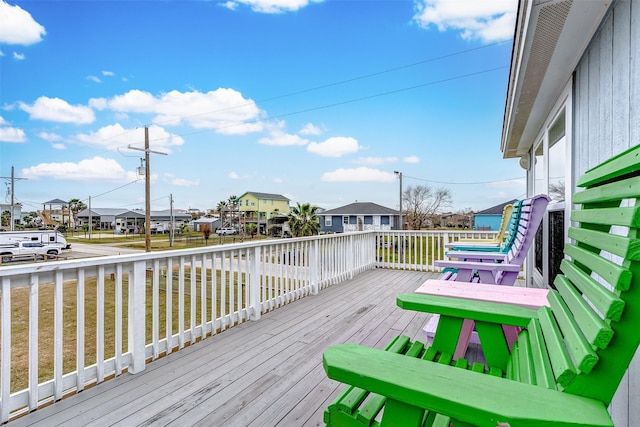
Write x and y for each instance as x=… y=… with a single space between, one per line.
x=569 y=357
x=503 y=240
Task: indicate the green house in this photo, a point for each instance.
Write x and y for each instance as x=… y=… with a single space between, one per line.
x=262 y=209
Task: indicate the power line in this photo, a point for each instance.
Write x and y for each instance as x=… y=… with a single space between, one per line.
x=328 y=85
x=464 y=183
x=345 y=81
x=335 y=104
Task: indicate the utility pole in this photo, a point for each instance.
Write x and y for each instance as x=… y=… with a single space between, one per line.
x=172 y=222
x=399 y=174
x=147 y=189
x=12 y=179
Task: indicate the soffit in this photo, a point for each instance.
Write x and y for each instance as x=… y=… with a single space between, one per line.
x=550 y=38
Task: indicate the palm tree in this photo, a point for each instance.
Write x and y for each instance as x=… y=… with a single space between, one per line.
x=221 y=208
x=303 y=220
x=233 y=203
x=75 y=206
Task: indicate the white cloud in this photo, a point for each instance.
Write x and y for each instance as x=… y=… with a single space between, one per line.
x=58 y=146
x=278 y=180
x=108 y=73
x=11 y=134
x=181 y=182
x=3 y=122
x=486 y=20
x=94 y=79
x=115 y=136
x=233 y=175
x=223 y=110
x=18 y=26
x=281 y=139
x=361 y=174
x=334 y=147
x=95 y=169
x=98 y=103
x=51 y=137
x=58 y=110
x=311 y=129
x=18 y=56
x=376 y=160
x=1 y=53
x=270 y=6
x=411 y=159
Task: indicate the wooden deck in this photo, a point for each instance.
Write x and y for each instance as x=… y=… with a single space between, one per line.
x=264 y=373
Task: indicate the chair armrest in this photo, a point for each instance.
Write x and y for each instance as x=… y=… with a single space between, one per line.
x=464 y=395
x=533 y=298
x=484 y=311
x=484 y=266
x=491 y=256
x=474 y=248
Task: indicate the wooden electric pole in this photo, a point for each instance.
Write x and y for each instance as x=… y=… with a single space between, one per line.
x=147 y=189
x=12 y=179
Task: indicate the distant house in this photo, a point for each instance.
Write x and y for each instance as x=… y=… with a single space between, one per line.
x=455 y=220
x=213 y=223
x=490 y=218
x=125 y=220
x=261 y=208
x=359 y=216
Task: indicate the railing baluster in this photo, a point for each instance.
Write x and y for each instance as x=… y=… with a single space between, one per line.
x=119 y=315
x=100 y=324
x=58 y=335
x=181 y=303
x=80 y=327
x=155 y=304
x=33 y=341
x=5 y=372
x=192 y=298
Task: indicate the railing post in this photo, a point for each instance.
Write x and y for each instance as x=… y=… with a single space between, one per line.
x=137 y=312
x=255 y=307
x=349 y=251
x=314 y=261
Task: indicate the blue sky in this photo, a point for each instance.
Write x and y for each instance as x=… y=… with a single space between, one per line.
x=320 y=101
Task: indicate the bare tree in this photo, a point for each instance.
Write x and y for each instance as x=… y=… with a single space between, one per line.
x=422 y=203
x=556 y=190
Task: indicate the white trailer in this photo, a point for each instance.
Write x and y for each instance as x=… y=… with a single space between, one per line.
x=47 y=237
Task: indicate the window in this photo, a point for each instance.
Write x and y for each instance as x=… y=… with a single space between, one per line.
x=384 y=220
x=368 y=219
x=327 y=221
x=345 y=220
x=551 y=175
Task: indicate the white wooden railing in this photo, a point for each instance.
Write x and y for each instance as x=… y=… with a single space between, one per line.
x=96 y=318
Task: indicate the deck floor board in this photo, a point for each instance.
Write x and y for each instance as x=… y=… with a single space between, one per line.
x=264 y=373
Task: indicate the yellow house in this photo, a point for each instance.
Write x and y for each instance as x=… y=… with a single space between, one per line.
x=262 y=208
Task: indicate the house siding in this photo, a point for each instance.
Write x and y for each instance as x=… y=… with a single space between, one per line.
x=607 y=121
x=491 y=222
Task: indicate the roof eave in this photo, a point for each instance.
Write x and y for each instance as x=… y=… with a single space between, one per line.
x=550 y=38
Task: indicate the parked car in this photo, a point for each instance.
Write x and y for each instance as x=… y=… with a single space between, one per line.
x=27 y=251
x=226 y=231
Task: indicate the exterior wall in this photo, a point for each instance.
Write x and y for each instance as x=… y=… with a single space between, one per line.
x=491 y=221
x=335 y=227
x=270 y=207
x=607 y=121
x=366 y=223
